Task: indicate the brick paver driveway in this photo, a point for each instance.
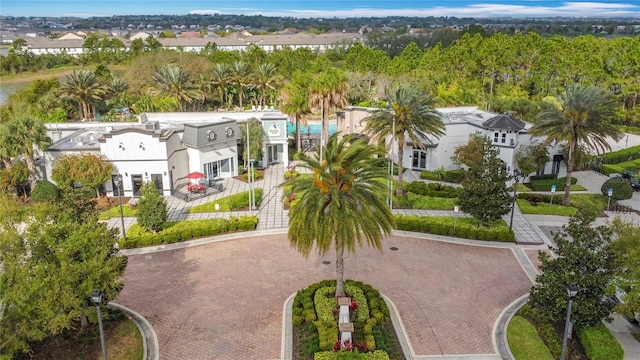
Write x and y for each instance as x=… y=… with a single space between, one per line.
x=225 y=300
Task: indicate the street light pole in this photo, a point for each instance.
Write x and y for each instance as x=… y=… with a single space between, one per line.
x=572 y=290
x=249 y=173
x=117 y=181
x=516 y=174
x=96 y=296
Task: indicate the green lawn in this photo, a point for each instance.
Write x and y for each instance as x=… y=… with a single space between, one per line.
x=524 y=342
x=115 y=212
x=590 y=203
x=431 y=203
x=544 y=208
x=228 y=203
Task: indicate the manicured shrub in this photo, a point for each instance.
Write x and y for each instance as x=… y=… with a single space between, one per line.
x=432 y=189
x=152 y=208
x=327 y=333
x=621 y=189
x=455 y=176
x=464 y=228
x=543 y=177
x=545 y=185
x=325 y=302
x=428 y=175
x=45 y=191
x=619 y=156
x=600 y=344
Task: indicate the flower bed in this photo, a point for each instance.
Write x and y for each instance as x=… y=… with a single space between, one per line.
x=316 y=327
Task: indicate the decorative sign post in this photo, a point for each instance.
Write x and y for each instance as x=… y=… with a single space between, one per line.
x=609 y=194
x=456 y=209
x=553 y=191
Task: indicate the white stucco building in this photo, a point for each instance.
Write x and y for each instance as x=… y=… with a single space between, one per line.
x=165 y=147
x=504 y=131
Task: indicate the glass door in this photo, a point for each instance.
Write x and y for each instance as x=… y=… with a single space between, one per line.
x=419 y=159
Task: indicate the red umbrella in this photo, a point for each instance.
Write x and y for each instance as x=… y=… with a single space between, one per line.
x=195 y=175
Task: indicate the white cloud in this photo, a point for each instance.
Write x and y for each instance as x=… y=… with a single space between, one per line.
x=567 y=9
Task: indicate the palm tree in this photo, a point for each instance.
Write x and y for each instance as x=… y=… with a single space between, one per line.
x=220 y=79
x=8 y=146
x=342 y=204
x=265 y=76
x=28 y=135
x=117 y=90
x=410 y=114
x=83 y=86
x=239 y=76
x=327 y=89
x=171 y=80
x=581 y=116
x=294 y=100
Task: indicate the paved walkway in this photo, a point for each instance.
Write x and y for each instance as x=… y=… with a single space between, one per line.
x=200 y=306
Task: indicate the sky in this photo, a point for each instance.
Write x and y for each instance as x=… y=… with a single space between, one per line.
x=326 y=8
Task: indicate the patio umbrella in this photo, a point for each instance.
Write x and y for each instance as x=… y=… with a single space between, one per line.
x=195 y=175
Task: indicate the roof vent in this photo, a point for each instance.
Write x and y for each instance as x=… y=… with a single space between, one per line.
x=152 y=125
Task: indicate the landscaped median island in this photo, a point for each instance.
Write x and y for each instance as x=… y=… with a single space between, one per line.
x=316 y=316
x=177 y=231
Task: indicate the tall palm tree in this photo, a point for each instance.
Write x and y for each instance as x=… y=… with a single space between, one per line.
x=239 y=76
x=342 y=205
x=582 y=117
x=410 y=112
x=8 y=147
x=83 y=87
x=28 y=135
x=220 y=77
x=171 y=80
x=265 y=77
x=116 y=90
x=328 y=89
x=294 y=100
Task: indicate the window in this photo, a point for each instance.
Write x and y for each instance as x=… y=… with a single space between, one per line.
x=495 y=137
x=157 y=179
x=504 y=138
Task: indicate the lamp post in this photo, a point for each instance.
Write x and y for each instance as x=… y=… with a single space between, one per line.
x=117 y=180
x=516 y=175
x=252 y=179
x=572 y=290
x=96 y=296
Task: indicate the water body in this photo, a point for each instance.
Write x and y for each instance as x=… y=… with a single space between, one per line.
x=8 y=89
x=312 y=128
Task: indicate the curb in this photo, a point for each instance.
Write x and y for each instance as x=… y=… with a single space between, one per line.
x=500 y=341
x=150 y=346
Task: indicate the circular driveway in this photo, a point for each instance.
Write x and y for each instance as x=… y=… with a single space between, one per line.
x=224 y=300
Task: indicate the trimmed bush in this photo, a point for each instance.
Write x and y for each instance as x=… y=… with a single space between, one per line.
x=545 y=185
x=330 y=355
x=428 y=175
x=432 y=189
x=45 y=191
x=171 y=232
x=466 y=228
x=619 y=156
x=600 y=344
x=455 y=176
x=621 y=189
x=544 y=177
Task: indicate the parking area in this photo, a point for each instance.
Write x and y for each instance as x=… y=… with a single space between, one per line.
x=225 y=300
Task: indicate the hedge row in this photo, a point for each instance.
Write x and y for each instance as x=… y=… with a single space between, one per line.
x=452 y=176
x=432 y=189
x=186 y=230
x=465 y=228
x=617 y=168
x=545 y=185
x=544 y=327
x=600 y=344
x=619 y=156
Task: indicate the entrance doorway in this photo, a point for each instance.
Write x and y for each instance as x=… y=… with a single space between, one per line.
x=136 y=184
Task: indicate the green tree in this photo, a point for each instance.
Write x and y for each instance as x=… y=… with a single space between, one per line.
x=266 y=78
x=239 y=75
x=583 y=257
x=152 y=208
x=626 y=252
x=220 y=78
x=28 y=135
x=531 y=158
x=411 y=116
x=584 y=118
x=328 y=88
x=50 y=269
x=83 y=87
x=86 y=169
x=172 y=81
x=256 y=138
x=471 y=152
x=484 y=192
x=294 y=101
x=15 y=178
x=342 y=205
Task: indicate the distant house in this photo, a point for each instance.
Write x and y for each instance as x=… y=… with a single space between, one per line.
x=72 y=36
x=141 y=35
x=190 y=34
